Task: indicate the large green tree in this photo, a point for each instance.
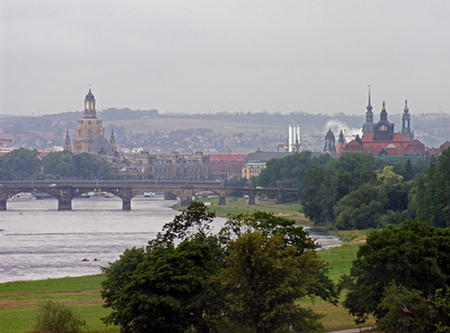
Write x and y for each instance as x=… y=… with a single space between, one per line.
x=270 y=265
x=430 y=199
x=415 y=256
x=20 y=164
x=263 y=279
x=166 y=287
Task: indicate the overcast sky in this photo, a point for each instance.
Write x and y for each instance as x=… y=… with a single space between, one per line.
x=204 y=56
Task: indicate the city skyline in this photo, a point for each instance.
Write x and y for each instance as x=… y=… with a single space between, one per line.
x=200 y=57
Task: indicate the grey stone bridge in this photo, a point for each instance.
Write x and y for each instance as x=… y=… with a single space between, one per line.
x=65 y=190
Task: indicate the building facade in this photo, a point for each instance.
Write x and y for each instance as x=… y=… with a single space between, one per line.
x=379 y=139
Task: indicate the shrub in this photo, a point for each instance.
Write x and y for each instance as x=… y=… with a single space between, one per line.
x=56 y=317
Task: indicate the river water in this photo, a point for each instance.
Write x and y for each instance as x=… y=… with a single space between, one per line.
x=40 y=242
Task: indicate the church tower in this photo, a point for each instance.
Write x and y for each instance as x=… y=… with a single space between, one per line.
x=406 y=123
x=330 y=142
x=112 y=143
x=89 y=135
x=368 y=125
x=67 y=143
x=383 y=130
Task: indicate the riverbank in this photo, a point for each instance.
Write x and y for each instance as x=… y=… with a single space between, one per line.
x=238 y=205
x=19 y=300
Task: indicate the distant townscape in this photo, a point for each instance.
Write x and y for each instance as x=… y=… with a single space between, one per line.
x=223 y=145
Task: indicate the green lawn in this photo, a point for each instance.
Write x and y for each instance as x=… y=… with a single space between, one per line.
x=19 y=301
x=235 y=205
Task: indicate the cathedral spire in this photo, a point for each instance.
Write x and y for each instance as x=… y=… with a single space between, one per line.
x=368 y=125
x=369 y=105
x=406 y=109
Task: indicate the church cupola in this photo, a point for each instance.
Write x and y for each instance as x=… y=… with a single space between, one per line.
x=383 y=130
x=89 y=105
x=406 y=123
x=368 y=125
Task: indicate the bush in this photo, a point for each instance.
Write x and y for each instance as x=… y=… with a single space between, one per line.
x=56 y=317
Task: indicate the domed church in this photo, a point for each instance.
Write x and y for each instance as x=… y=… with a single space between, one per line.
x=89 y=135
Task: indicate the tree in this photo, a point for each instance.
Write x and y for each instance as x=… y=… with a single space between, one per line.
x=430 y=199
x=168 y=290
x=262 y=279
x=415 y=255
x=166 y=287
x=408 y=311
x=20 y=164
x=326 y=185
x=269 y=265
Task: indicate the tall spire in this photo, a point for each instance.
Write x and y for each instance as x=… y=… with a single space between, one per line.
x=406 y=109
x=369 y=105
x=368 y=125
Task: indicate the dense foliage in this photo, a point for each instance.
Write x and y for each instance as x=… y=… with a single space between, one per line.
x=415 y=256
x=23 y=164
x=247 y=279
x=358 y=191
x=56 y=317
x=431 y=197
x=19 y=164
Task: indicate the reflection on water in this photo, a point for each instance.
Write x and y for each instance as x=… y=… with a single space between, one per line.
x=40 y=242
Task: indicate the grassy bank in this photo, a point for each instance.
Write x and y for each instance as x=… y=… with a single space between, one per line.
x=19 y=300
x=235 y=205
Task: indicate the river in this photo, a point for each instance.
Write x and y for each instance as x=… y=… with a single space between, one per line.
x=39 y=242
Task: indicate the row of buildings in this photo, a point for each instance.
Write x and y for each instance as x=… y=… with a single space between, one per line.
x=378 y=138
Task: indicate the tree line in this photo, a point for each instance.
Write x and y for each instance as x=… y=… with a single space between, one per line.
x=24 y=164
x=357 y=191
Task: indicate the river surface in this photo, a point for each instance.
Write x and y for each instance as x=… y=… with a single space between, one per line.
x=40 y=242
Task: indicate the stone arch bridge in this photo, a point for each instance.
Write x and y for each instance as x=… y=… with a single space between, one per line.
x=66 y=190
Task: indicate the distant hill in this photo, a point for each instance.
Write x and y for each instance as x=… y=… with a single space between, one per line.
x=219 y=132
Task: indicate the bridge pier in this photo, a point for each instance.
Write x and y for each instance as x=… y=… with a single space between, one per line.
x=64 y=204
x=222 y=200
x=251 y=198
x=2 y=204
x=126 y=204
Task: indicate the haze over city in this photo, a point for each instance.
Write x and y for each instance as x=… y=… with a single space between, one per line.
x=202 y=56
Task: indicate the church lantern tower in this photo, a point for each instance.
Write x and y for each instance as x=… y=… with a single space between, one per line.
x=406 y=123
x=368 y=125
x=89 y=105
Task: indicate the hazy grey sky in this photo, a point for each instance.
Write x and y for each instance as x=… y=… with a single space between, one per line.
x=230 y=55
